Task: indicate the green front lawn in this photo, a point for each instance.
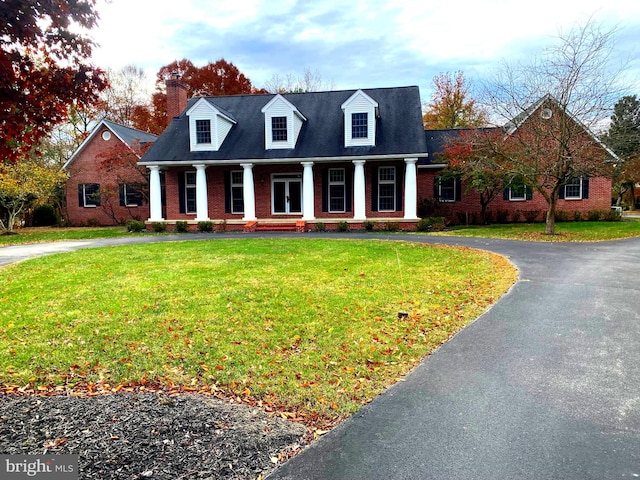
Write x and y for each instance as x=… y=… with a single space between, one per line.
x=309 y=325
x=565 y=231
x=53 y=234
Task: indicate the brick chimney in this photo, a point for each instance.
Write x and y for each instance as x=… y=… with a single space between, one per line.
x=176 y=96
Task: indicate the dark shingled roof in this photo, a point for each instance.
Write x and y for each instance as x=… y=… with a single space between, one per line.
x=398 y=130
x=130 y=135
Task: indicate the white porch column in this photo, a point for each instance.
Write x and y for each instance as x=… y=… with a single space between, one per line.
x=359 y=202
x=248 y=192
x=155 y=194
x=308 y=209
x=410 y=189
x=202 y=208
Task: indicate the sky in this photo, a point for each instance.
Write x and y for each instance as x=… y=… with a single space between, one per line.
x=352 y=44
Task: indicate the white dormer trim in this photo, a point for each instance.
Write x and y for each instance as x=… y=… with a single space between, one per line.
x=219 y=125
x=360 y=103
x=279 y=106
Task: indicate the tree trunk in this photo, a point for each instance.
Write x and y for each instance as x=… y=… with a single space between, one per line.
x=551 y=215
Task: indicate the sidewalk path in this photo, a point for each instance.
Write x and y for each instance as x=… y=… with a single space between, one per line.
x=544 y=385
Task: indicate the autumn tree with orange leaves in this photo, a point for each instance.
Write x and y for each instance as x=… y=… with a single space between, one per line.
x=44 y=69
x=214 y=79
x=451 y=105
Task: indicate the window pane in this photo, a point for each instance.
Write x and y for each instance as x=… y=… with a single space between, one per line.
x=203 y=131
x=386 y=196
x=190 y=178
x=236 y=178
x=336 y=198
x=336 y=175
x=573 y=189
x=359 y=125
x=387 y=174
x=91 y=194
x=279 y=129
x=237 y=200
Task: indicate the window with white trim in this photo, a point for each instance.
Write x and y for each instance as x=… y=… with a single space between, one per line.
x=279 y=129
x=359 y=125
x=89 y=194
x=237 y=191
x=447 y=190
x=387 y=189
x=130 y=195
x=517 y=192
x=190 y=192
x=573 y=189
x=337 y=190
x=203 y=131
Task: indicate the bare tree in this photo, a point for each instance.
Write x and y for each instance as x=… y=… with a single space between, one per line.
x=310 y=81
x=550 y=106
x=127 y=91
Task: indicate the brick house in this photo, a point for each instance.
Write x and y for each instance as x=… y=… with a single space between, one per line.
x=286 y=160
x=105 y=186
x=281 y=160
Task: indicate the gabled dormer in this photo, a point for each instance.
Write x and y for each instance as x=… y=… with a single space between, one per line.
x=208 y=126
x=282 y=123
x=360 y=112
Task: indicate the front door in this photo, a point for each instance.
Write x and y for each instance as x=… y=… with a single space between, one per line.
x=287 y=194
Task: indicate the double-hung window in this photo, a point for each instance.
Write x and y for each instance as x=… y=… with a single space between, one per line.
x=130 y=195
x=337 y=190
x=517 y=192
x=359 y=125
x=387 y=189
x=237 y=192
x=190 y=192
x=279 y=129
x=89 y=194
x=573 y=189
x=203 y=131
x=447 y=190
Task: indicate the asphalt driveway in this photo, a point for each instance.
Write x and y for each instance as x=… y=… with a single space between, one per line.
x=544 y=385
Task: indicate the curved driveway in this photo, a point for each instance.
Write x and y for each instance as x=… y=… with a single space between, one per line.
x=544 y=385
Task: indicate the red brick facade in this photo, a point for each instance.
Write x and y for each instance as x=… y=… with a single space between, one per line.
x=88 y=167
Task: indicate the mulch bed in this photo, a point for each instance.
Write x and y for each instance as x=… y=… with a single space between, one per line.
x=150 y=435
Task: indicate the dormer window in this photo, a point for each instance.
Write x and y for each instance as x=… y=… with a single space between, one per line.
x=282 y=124
x=360 y=112
x=359 y=125
x=279 y=129
x=209 y=125
x=203 y=131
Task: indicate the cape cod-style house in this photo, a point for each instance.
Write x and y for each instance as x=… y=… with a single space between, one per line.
x=269 y=161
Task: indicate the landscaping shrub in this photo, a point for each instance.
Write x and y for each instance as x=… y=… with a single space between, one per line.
x=431 y=224
x=392 y=226
x=159 y=227
x=613 y=216
x=577 y=216
x=516 y=216
x=502 y=216
x=206 y=226
x=135 y=225
x=182 y=226
x=44 y=216
x=596 y=215
x=369 y=225
x=342 y=226
x=562 y=216
x=93 y=222
x=531 y=216
x=320 y=227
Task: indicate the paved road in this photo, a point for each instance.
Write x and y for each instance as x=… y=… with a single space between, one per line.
x=545 y=385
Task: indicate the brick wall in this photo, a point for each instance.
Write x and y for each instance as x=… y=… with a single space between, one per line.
x=86 y=168
x=469 y=206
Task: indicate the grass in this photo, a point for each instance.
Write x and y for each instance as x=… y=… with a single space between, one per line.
x=565 y=232
x=52 y=234
x=307 y=325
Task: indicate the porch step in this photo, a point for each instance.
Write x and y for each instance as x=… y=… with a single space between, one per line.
x=299 y=226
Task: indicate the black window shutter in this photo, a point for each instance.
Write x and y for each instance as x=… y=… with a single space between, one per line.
x=399 y=185
x=561 y=192
x=121 y=194
x=505 y=193
x=436 y=185
x=528 y=191
x=80 y=195
x=227 y=192
x=374 y=188
x=181 y=199
x=325 y=187
x=348 y=189
x=458 y=189
x=585 y=187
